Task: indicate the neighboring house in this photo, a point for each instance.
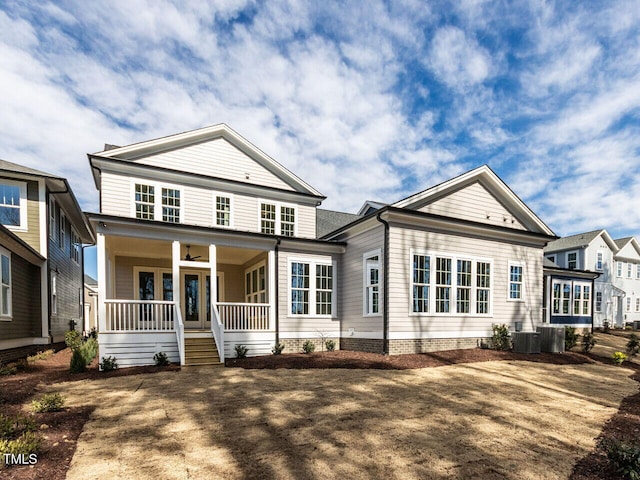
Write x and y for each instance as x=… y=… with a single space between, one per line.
x=205 y=242
x=90 y=305
x=617 y=289
x=43 y=229
x=568 y=296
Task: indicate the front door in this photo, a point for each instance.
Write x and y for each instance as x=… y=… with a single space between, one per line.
x=196 y=299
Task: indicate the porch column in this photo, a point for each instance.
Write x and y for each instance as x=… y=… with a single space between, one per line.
x=272 y=268
x=175 y=270
x=102 y=282
x=213 y=266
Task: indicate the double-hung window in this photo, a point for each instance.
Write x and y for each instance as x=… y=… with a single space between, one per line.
x=637 y=304
x=599 y=261
x=223 y=211
x=637 y=271
x=170 y=205
x=598 y=305
x=573 y=298
x=572 y=260
x=277 y=219
x=446 y=284
x=157 y=202
x=372 y=283
x=628 y=304
x=619 y=269
x=62 y=230
x=629 y=269
x=52 y=219
x=13 y=204
x=145 y=201
x=516 y=281
x=5 y=284
x=311 y=288
x=74 y=250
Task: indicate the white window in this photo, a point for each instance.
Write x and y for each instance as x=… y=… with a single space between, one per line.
x=5 y=284
x=516 y=281
x=619 y=269
x=311 y=288
x=223 y=210
x=581 y=299
x=145 y=201
x=637 y=304
x=638 y=271
x=76 y=246
x=572 y=298
x=170 y=205
x=599 y=258
x=371 y=268
x=277 y=219
x=62 y=231
x=629 y=270
x=445 y=284
x=52 y=219
x=54 y=293
x=561 y=298
x=256 y=283
x=598 y=302
x=13 y=204
x=628 y=304
x=572 y=260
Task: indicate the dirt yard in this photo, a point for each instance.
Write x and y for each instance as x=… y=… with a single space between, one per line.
x=497 y=419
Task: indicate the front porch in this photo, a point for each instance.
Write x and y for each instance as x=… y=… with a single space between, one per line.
x=157 y=296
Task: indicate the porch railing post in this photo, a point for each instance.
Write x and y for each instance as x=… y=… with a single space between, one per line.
x=272 y=267
x=102 y=282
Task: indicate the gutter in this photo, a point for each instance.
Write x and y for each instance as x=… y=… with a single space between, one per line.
x=385 y=286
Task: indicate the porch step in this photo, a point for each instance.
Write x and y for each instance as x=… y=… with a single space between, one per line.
x=201 y=351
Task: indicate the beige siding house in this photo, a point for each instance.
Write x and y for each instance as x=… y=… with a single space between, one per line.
x=206 y=243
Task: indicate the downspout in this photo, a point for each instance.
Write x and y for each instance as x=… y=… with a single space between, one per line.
x=277 y=313
x=385 y=286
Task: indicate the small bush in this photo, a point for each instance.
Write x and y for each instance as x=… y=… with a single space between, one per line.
x=93 y=333
x=570 y=338
x=330 y=344
x=588 y=342
x=501 y=339
x=161 y=359
x=73 y=340
x=277 y=348
x=308 y=346
x=108 y=364
x=49 y=402
x=7 y=369
x=633 y=345
x=618 y=358
x=606 y=326
x=25 y=444
x=84 y=355
x=241 y=351
x=13 y=427
x=624 y=456
x=39 y=356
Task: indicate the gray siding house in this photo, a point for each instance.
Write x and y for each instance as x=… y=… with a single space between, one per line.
x=41 y=236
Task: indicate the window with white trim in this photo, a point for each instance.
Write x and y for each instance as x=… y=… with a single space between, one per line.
x=159 y=202
x=561 y=304
x=446 y=284
x=619 y=269
x=13 y=204
x=5 y=284
x=629 y=270
x=52 y=219
x=637 y=304
x=170 y=205
x=572 y=298
x=277 y=219
x=581 y=299
x=599 y=261
x=628 y=304
x=145 y=200
x=371 y=269
x=62 y=231
x=76 y=246
x=637 y=271
x=223 y=210
x=311 y=288
x=598 y=305
x=572 y=260
x=516 y=281
x=256 y=283
x=54 y=293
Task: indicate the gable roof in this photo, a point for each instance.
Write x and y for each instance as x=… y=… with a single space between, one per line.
x=580 y=240
x=370 y=206
x=492 y=183
x=328 y=221
x=623 y=242
x=149 y=147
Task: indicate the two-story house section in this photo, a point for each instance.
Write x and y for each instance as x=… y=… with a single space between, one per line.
x=41 y=236
x=204 y=243
x=627 y=278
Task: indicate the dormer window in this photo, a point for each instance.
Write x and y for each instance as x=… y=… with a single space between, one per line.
x=13 y=204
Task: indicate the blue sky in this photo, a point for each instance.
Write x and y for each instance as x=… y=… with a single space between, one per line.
x=365 y=100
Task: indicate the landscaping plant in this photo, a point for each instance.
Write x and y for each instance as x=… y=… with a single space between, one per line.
x=241 y=351
x=308 y=346
x=624 y=456
x=108 y=363
x=161 y=359
x=570 y=338
x=618 y=358
x=49 y=402
x=330 y=344
x=501 y=338
x=277 y=348
x=17 y=436
x=588 y=342
x=633 y=345
x=83 y=351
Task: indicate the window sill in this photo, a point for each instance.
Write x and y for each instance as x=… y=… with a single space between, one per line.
x=371 y=315
x=6 y=318
x=16 y=228
x=451 y=314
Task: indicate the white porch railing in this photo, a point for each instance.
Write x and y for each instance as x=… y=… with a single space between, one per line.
x=217 y=329
x=139 y=316
x=242 y=317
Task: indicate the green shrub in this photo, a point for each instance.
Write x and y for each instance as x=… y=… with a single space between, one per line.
x=7 y=369
x=241 y=351
x=570 y=338
x=501 y=338
x=49 y=402
x=93 y=333
x=330 y=344
x=40 y=356
x=25 y=444
x=277 y=348
x=624 y=456
x=606 y=326
x=73 y=340
x=161 y=359
x=308 y=346
x=13 y=427
x=108 y=363
x=618 y=358
x=633 y=345
x=84 y=355
x=588 y=341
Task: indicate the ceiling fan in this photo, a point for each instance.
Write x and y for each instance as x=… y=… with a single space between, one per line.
x=188 y=257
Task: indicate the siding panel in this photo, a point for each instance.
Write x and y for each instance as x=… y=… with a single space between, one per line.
x=25 y=299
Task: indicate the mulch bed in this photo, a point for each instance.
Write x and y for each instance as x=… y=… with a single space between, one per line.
x=62 y=429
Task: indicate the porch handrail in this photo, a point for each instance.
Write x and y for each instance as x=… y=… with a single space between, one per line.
x=243 y=317
x=179 y=331
x=217 y=329
x=139 y=315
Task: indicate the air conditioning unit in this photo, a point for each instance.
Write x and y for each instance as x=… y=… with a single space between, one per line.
x=551 y=339
x=526 y=342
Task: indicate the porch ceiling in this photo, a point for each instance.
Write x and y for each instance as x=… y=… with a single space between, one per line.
x=146 y=248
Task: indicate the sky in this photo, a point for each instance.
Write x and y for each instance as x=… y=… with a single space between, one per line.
x=365 y=100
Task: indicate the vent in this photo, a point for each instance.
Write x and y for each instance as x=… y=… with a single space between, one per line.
x=551 y=339
x=526 y=342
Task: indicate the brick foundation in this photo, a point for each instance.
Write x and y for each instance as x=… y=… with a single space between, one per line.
x=399 y=347
x=294 y=345
x=361 y=344
x=13 y=354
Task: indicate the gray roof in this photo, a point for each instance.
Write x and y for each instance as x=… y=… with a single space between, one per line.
x=90 y=280
x=545 y=263
x=579 y=240
x=328 y=220
x=16 y=168
x=621 y=242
